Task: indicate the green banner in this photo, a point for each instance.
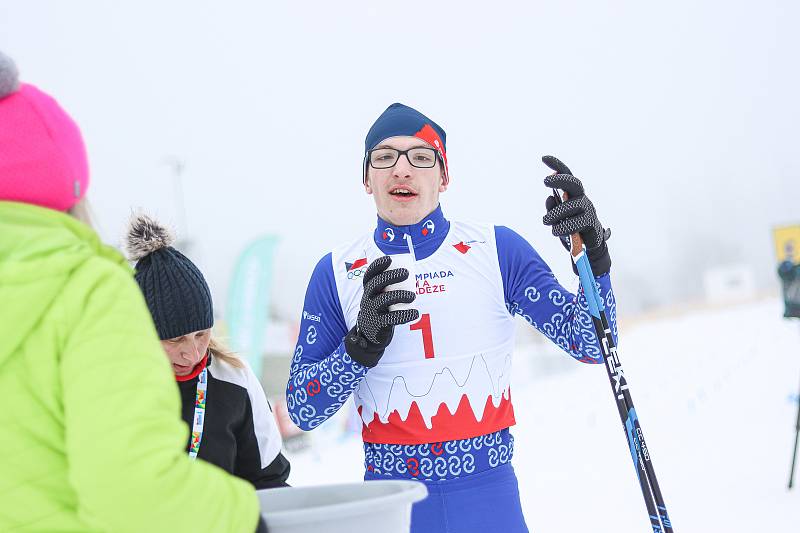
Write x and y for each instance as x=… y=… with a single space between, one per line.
x=248 y=300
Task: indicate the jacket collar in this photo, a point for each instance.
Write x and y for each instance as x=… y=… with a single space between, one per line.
x=196 y=371
x=426 y=235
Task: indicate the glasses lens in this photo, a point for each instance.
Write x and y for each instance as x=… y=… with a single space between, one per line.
x=422 y=157
x=383 y=157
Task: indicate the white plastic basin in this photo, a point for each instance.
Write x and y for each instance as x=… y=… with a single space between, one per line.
x=364 y=507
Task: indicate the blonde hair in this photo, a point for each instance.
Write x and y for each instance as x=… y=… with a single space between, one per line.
x=82 y=211
x=219 y=350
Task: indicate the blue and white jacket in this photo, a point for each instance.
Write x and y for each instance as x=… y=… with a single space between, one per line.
x=438 y=404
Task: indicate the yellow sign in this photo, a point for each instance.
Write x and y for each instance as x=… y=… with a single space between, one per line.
x=787 y=243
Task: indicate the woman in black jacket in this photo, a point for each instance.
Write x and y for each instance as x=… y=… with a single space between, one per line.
x=231 y=422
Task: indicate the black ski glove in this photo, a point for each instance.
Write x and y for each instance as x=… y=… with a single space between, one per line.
x=261 y=527
x=575 y=215
x=374 y=328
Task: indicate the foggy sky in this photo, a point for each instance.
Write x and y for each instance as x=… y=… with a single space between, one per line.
x=681 y=119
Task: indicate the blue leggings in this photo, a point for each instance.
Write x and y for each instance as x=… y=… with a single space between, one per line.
x=486 y=502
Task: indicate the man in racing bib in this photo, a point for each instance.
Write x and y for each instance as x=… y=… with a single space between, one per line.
x=429 y=368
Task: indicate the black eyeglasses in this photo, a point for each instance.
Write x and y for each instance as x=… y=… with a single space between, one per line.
x=387 y=157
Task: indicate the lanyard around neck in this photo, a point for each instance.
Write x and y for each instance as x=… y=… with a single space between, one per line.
x=199 y=413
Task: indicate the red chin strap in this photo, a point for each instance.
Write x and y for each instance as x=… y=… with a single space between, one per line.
x=196 y=371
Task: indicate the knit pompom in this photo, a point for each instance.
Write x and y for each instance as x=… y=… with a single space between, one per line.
x=145 y=236
x=9 y=76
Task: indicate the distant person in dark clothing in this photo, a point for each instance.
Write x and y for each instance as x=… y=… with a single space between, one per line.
x=789 y=273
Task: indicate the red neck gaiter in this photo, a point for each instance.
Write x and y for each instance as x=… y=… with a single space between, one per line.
x=196 y=371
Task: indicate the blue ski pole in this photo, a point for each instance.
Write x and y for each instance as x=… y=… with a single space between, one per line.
x=654 y=500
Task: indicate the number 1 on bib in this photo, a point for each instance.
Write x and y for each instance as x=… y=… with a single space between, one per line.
x=424 y=325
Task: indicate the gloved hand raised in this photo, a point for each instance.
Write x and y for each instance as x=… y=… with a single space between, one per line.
x=374 y=328
x=575 y=215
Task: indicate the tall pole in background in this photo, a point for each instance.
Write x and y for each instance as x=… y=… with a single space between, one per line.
x=796 y=438
x=177 y=167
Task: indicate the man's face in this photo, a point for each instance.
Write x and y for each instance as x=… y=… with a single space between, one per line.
x=404 y=194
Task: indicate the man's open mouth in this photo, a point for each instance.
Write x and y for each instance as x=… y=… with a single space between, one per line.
x=403 y=192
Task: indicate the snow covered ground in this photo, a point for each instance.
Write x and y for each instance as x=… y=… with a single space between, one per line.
x=715 y=392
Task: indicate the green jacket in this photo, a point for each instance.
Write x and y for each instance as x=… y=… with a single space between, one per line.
x=91 y=437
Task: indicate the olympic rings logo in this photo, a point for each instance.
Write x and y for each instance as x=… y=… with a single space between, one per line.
x=355 y=273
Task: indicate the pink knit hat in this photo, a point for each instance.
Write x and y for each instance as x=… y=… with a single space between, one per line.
x=42 y=155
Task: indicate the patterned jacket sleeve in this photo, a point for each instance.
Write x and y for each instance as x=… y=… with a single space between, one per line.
x=532 y=291
x=322 y=375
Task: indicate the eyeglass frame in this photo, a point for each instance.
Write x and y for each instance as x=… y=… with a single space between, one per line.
x=368 y=159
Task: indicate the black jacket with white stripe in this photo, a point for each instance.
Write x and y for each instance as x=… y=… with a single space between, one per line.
x=240 y=434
